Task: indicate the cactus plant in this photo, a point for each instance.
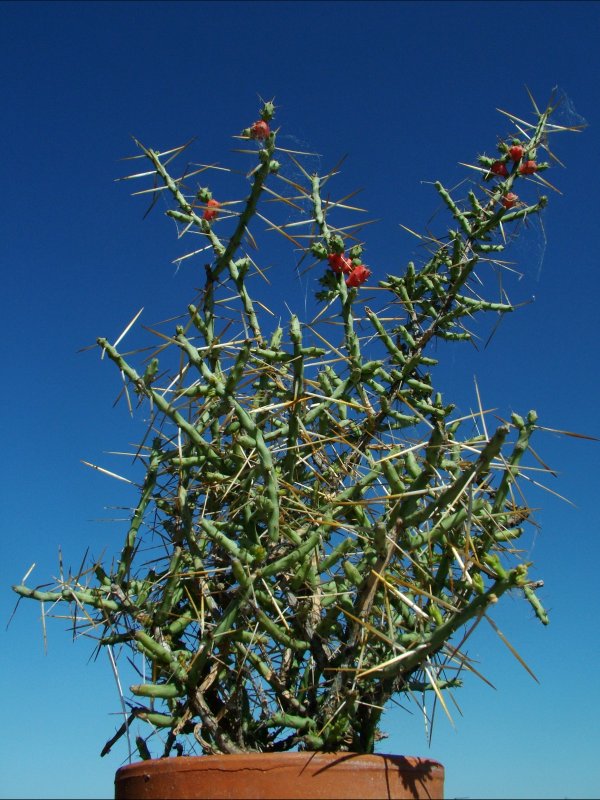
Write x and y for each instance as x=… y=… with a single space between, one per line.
x=318 y=531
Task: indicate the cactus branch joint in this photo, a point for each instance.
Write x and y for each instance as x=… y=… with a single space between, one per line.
x=318 y=531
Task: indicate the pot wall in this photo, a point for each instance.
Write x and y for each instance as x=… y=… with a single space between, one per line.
x=281 y=776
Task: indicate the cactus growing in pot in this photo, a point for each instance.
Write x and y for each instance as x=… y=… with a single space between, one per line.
x=316 y=525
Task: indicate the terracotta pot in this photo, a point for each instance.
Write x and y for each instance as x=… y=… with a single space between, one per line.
x=281 y=775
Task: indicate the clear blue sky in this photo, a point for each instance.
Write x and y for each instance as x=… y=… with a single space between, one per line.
x=407 y=90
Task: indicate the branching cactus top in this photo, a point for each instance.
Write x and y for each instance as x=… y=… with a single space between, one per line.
x=317 y=531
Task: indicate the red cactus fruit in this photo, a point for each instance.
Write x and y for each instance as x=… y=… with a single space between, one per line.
x=211 y=211
x=509 y=200
x=340 y=263
x=358 y=276
x=516 y=152
x=260 y=129
x=499 y=168
x=528 y=168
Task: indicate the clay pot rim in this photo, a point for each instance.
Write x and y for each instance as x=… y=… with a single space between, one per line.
x=256 y=760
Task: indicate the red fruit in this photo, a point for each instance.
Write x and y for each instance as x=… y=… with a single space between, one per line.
x=211 y=210
x=528 y=168
x=499 y=168
x=358 y=276
x=340 y=263
x=516 y=152
x=260 y=129
x=509 y=200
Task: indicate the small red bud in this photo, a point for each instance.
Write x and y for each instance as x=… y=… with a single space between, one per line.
x=340 y=263
x=211 y=210
x=528 y=168
x=260 y=129
x=499 y=168
x=358 y=276
x=516 y=152
x=509 y=200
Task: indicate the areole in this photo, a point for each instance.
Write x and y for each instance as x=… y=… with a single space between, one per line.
x=285 y=776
